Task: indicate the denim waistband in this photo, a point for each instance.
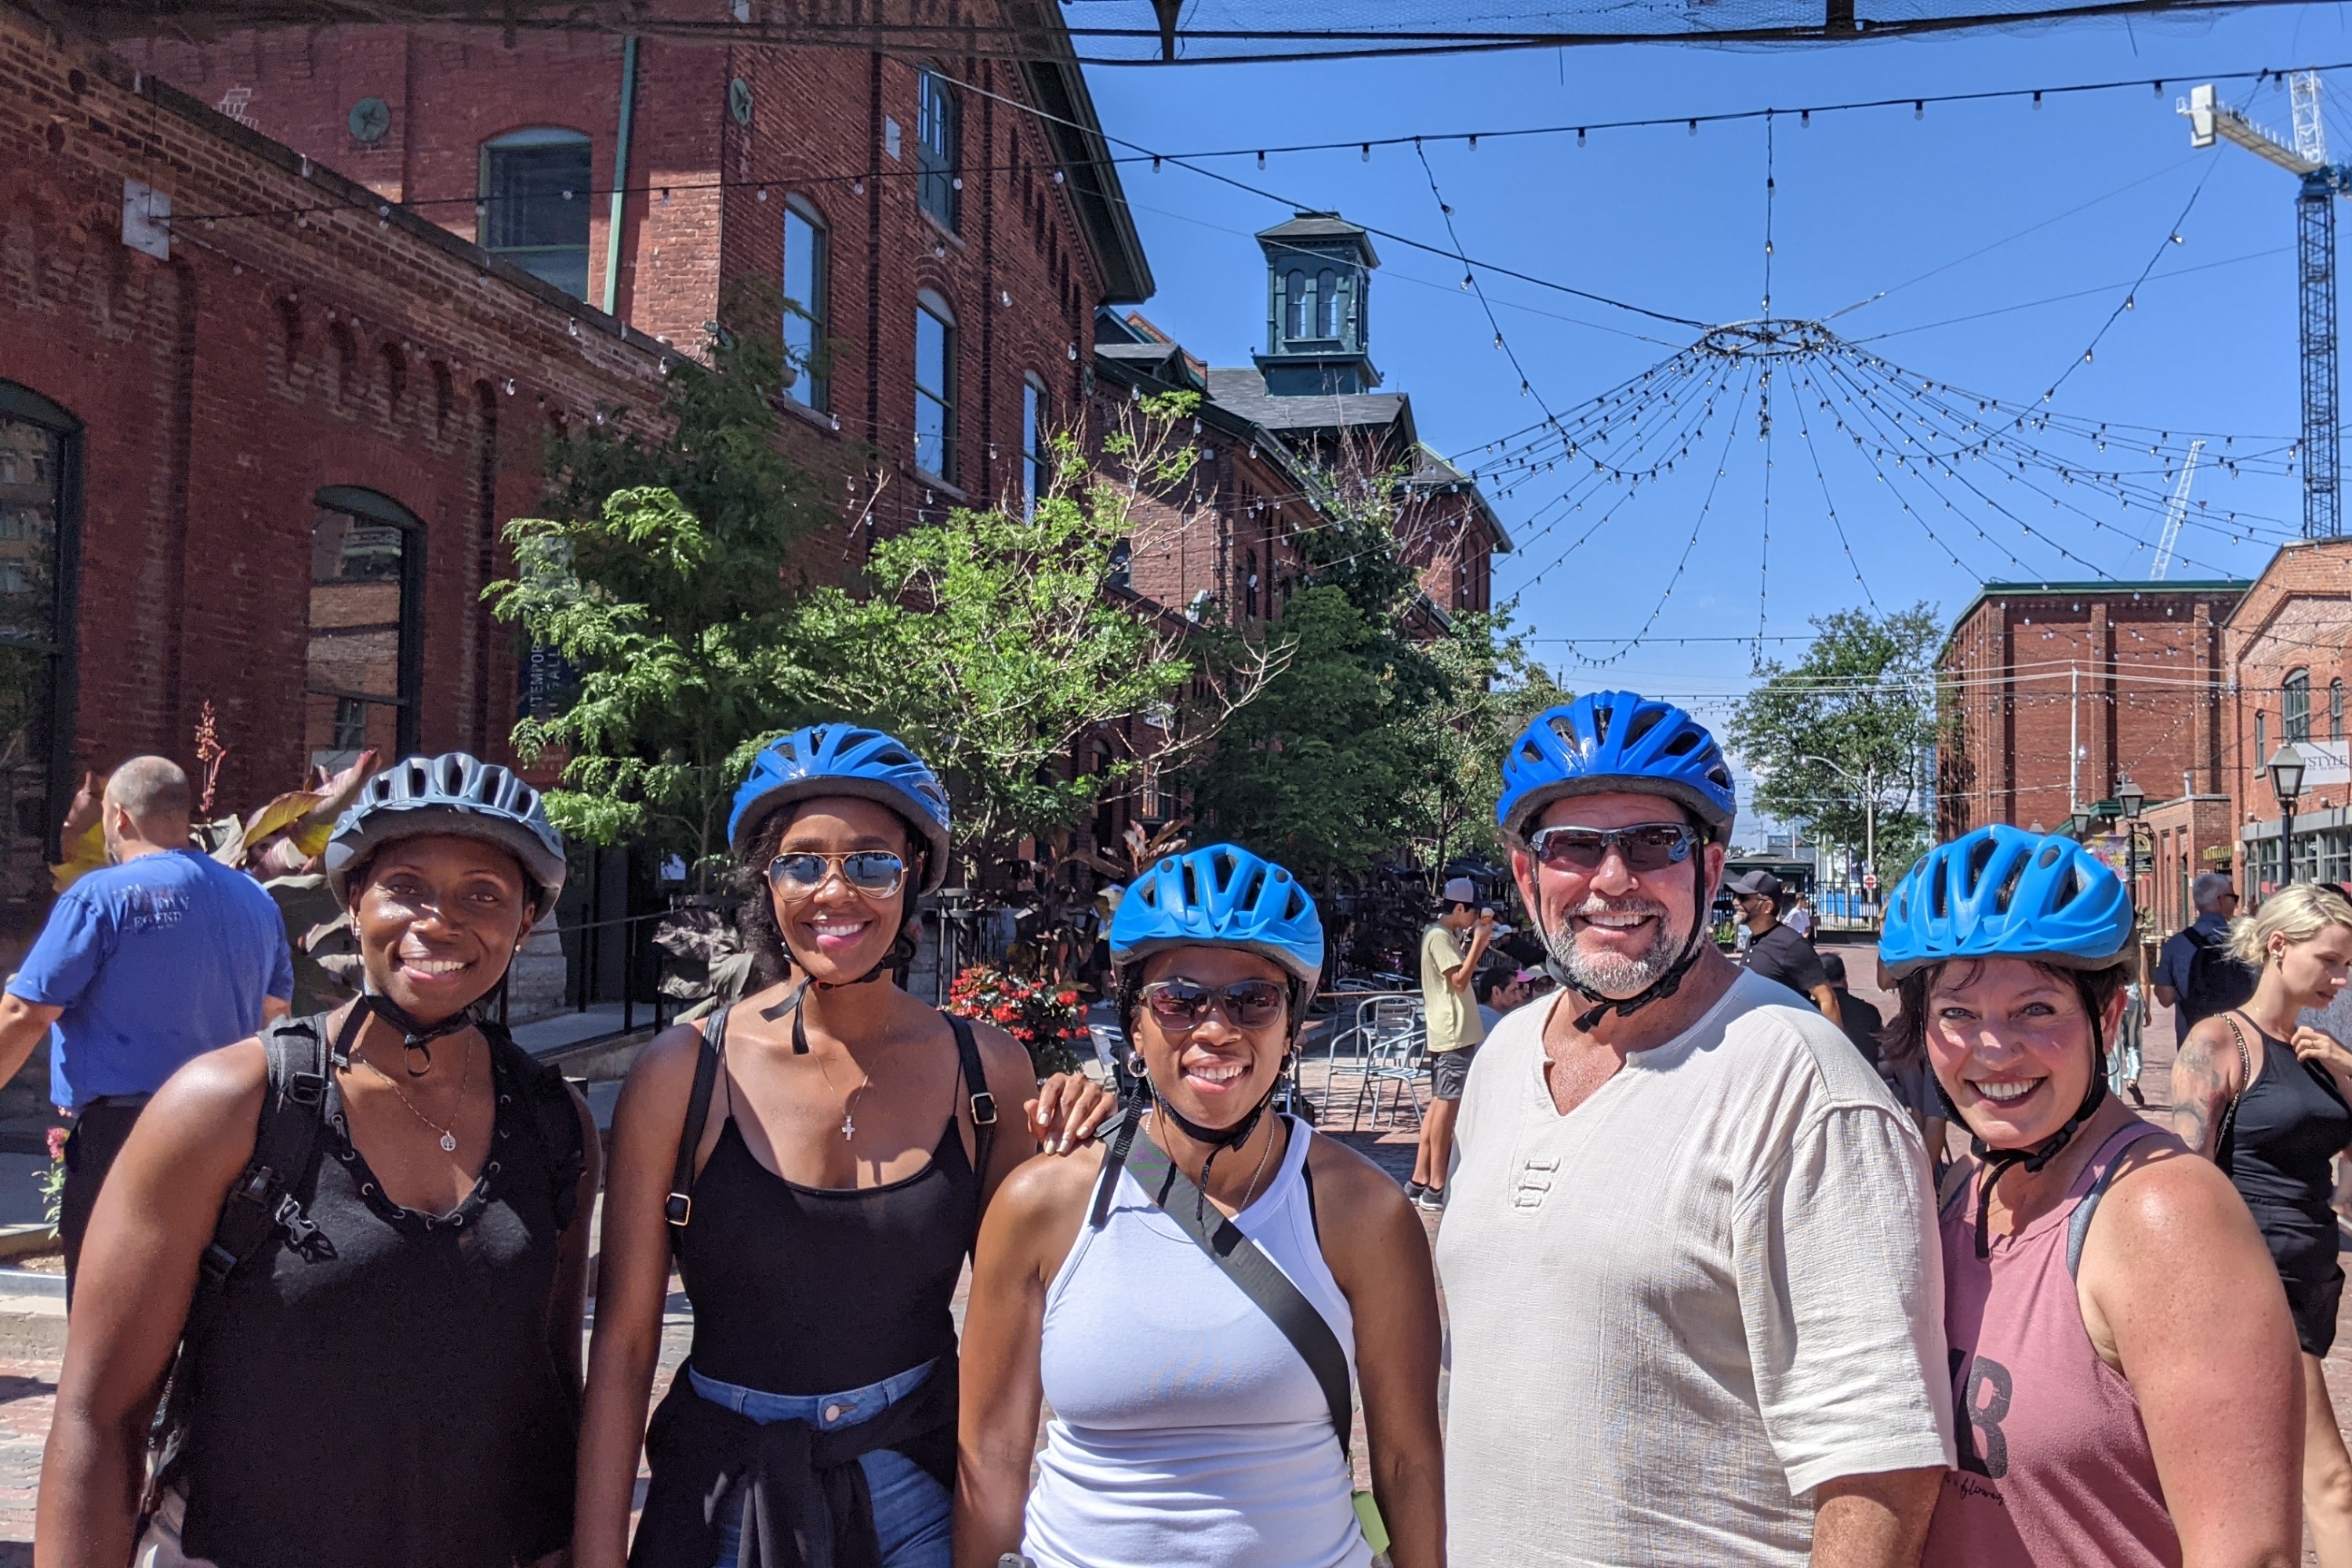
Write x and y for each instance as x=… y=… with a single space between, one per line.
x=822 y=1411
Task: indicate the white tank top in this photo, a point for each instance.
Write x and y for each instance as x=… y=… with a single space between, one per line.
x=1187 y=1431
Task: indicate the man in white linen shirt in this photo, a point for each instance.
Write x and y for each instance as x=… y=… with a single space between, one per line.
x=1690 y=1256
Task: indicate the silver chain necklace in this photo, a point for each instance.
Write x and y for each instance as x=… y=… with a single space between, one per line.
x=849 y=1106
x=448 y=1137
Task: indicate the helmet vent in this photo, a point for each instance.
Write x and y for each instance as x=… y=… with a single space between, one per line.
x=1684 y=743
x=1939 y=900
x=2068 y=887
x=1644 y=721
x=2048 y=858
x=1600 y=717
x=2017 y=868
x=1981 y=856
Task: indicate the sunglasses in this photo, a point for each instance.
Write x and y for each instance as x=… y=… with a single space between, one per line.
x=1179 y=1005
x=1653 y=846
x=877 y=873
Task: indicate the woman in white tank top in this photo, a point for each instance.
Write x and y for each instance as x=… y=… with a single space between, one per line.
x=1188 y=1430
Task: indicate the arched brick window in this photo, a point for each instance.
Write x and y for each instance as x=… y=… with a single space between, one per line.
x=366 y=667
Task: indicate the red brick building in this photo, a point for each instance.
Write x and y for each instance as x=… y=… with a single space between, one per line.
x=942 y=228
x=256 y=462
x=2051 y=692
x=2289 y=646
x=1277 y=434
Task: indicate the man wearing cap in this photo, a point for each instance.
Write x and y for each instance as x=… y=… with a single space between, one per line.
x=1689 y=1251
x=1775 y=950
x=1454 y=1028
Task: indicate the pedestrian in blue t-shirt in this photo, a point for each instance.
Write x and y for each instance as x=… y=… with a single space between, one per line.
x=162 y=956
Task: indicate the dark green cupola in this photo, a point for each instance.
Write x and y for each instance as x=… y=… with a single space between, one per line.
x=1318 y=269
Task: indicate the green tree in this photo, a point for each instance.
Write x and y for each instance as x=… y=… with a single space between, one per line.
x=655 y=575
x=1316 y=771
x=990 y=643
x=1487 y=689
x=1863 y=697
x=1377 y=738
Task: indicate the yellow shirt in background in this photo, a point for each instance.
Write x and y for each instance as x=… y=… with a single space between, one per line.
x=1453 y=1021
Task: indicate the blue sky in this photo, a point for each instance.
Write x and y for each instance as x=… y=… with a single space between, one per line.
x=1864 y=201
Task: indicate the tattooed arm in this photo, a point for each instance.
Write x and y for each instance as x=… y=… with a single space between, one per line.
x=2206 y=1076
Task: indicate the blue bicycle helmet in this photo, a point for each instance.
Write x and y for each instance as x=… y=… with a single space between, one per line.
x=2002 y=891
x=453 y=793
x=1613 y=740
x=846 y=759
x=1222 y=895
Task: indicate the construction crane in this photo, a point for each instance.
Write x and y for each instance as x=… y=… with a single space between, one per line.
x=2176 y=512
x=2315 y=218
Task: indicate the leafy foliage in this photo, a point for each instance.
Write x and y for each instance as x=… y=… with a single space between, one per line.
x=1372 y=741
x=1863 y=697
x=656 y=576
x=989 y=642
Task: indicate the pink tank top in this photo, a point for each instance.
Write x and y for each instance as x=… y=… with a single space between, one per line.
x=2054 y=1464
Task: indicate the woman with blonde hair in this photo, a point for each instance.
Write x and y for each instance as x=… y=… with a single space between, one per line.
x=2270 y=1101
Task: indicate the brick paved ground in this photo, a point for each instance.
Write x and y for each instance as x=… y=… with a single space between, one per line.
x=32 y=1330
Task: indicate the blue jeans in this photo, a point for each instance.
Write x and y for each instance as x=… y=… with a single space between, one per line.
x=912 y=1511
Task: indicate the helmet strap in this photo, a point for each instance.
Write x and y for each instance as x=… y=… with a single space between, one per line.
x=416 y=1038
x=1997 y=1160
x=1666 y=984
x=901 y=952
x=1219 y=1140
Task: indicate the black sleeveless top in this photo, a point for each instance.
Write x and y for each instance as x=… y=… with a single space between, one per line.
x=2291 y=1120
x=396 y=1405
x=811 y=1290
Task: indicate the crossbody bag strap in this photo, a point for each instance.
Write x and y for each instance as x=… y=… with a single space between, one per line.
x=975 y=1088
x=679 y=1209
x=1246 y=1265
x=2224 y=1146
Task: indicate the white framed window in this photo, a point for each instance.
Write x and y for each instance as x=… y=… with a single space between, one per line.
x=935 y=373
x=534 y=209
x=807 y=256
x=1036 y=462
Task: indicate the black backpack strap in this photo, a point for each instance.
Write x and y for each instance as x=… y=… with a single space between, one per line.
x=554 y=1120
x=983 y=1104
x=679 y=1208
x=1247 y=1266
x=262 y=1205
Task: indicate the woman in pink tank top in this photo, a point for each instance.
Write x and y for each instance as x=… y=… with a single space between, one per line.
x=2128 y=1391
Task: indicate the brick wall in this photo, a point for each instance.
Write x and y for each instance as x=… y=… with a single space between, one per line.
x=2126 y=675
x=271 y=355
x=706 y=194
x=2295 y=619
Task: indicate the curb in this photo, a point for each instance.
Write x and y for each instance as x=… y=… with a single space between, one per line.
x=30 y=1282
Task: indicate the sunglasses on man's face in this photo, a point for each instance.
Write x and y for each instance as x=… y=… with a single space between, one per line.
x=1651 y=847
x=1180 y=1005
x=877 y=873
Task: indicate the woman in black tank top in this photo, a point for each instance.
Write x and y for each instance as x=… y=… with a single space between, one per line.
x=365 y=1235
x=815 y=1158
x=2284 y=1092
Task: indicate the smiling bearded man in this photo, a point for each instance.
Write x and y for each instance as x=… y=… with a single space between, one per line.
x=1689 y=1252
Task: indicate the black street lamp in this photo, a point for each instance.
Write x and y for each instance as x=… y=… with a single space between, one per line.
x=2285 y=768
x=2129 y=798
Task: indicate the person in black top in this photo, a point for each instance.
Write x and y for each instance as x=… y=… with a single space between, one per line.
x=1862 y=1022
x=383 y=1372
x=815 y=1158
x=2270 y=1100
x=1774 y=950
